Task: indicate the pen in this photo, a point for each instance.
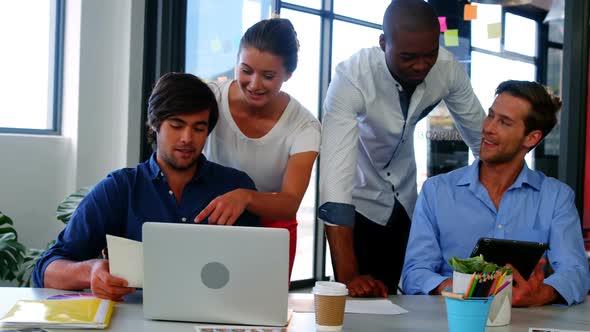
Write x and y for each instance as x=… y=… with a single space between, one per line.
x=486 y=286
x=499 y=283
x=494 y=283
x=468 y=289
x=477 y=290
x=503 y=286
x=474 y=286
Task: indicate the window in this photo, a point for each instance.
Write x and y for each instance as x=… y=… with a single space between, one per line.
x=547 y=154
x=31 y=33
x=515 y=52
x=304 y=86
x=355 y=25
x=211 y=47
x=369 y=11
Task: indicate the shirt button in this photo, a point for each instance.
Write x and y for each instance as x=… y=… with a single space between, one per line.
x=397 y=194
x=500 y=226
x=183 y=219
x=170 y=192
x=388 y=174
x=403 y=140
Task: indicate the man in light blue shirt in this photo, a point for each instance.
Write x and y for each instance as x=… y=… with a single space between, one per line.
x=498 y=196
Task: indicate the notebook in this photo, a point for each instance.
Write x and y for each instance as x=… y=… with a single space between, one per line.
x=82 y=313
x=215 y=274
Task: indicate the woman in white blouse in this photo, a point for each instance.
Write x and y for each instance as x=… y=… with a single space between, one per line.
x=264 y=132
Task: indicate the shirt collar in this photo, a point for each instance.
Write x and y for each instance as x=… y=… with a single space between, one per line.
x=203 y=168
x=526 y=176
x=154 y=169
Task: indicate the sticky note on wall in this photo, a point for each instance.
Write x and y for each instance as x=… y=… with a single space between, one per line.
x=469 y=12
x=494 y=30
x=442 y=20
x=452 y=38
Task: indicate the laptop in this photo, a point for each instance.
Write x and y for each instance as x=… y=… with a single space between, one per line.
x=215 y=274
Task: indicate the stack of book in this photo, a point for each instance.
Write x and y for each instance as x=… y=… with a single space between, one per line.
x=72 y=313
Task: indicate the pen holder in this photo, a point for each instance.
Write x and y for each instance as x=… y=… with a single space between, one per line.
x=501 y=307
x=468 y=315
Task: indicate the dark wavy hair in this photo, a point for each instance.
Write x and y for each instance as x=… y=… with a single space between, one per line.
x=276 y=36
x=179 y=93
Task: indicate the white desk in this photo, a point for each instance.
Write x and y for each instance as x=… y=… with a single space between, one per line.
x=426 y=313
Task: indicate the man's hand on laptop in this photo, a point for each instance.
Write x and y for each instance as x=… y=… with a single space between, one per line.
x=106 y=286
x=225 y=209
x=366 y=286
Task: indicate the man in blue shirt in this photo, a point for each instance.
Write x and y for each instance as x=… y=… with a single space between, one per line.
x=498 y=196
x=174 y=185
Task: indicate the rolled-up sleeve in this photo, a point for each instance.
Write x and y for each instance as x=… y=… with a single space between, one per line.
x=423 y=254
x=338 y=151
x=464 y=107
x=567 y=254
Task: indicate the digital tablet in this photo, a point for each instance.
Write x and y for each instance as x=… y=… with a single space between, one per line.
x=523 y=255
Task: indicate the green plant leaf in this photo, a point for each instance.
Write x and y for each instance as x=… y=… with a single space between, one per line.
x=66 y=208
x=4 y=219
x=6 y=226
x=12 y=255
x=475 y=264
x=30 y=260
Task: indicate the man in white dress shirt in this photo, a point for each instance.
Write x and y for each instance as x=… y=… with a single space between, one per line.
x=367 y=163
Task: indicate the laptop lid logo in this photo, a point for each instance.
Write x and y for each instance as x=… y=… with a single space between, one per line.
x=214 y=275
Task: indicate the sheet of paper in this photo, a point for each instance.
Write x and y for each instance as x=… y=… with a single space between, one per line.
x=541 y=329
x=442 y=20
x=238 y=328
x=126 y=259
x=494 y=30
x=469 y=12
x=376 y=307
x=304 y=303
x=452 y=38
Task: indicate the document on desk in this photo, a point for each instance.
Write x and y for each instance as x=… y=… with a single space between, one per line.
x=375 y=307
x=239 y=328
x=126 y=259
x=304 y=303
x=541 y=329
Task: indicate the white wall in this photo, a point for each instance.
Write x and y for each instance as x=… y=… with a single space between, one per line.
x=105 y=76
x=101 y=126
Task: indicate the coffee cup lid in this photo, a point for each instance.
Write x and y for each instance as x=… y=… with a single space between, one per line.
x=330 y=288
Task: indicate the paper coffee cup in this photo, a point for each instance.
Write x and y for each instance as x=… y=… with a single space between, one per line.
x=501 y=308
x=329 y=302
